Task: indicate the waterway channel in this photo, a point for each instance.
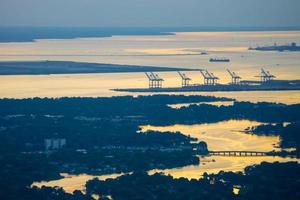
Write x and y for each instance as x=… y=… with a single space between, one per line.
x=225 y=135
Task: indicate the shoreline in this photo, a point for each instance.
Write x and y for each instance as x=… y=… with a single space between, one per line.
x=70 y=67
x=31 y=34
x=215 y=88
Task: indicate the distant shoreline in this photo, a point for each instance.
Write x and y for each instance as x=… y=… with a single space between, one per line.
x=30 y=34
x=68 y=67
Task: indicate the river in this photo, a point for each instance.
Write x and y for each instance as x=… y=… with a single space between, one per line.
x=182 y=49
x=178 y=50
x=226 y=135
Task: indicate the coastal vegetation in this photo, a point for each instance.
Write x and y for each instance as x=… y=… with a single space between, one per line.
x=101 y=136
x=265 y=181
x=68 y=67
x=288 y=133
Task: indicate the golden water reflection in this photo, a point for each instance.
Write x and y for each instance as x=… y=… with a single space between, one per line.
x=215 y=164
x=225 y=135
x=71 y=183
x=99 y=85
x=182 y=50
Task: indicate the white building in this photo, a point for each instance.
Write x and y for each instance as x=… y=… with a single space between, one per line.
x=54 y=143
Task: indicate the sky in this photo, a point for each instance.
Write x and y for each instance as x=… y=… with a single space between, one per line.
x=149 y=13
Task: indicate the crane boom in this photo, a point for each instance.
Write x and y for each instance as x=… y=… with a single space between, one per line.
x=235 y=79
x=185 y=81
x=231 y=74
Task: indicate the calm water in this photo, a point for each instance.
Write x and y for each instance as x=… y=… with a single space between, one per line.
x=71 y=183
x=95 y=85
x=225 y=135
x=179 y=50
x=215 y=164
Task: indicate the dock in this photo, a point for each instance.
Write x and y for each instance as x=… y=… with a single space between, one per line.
x=266 y=82
x=275 y=86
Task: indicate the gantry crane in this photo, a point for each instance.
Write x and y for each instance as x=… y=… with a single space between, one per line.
x=213 y=78
x=185 y=81
x=235 y=79
x=209 y=78
x=265 y=76
x=206 y=76
x=157 y=80
x=154 y=80
x=151 y=80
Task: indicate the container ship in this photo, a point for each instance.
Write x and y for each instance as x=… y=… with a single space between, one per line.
x=219 y=60
x=288 y=47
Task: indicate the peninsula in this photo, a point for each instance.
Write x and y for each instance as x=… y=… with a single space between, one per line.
x=68 y=67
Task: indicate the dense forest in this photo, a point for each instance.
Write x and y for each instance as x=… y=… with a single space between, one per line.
x=101 y=136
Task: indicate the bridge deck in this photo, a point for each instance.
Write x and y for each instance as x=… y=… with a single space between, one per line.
x=238 y=153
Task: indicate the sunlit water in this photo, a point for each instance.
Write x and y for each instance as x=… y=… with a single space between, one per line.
x=96 y=85
x=215 y=164
x=71 y=183
x=225 y=135
x=179 y=50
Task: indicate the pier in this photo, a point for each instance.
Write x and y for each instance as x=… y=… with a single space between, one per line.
x=239 y=153
x=266 y=82
x=274 y=85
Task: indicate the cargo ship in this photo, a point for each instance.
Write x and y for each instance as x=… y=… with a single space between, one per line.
x=288 y=47
x=219 y=60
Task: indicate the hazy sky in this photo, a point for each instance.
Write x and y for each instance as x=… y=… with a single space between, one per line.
x=108 y=13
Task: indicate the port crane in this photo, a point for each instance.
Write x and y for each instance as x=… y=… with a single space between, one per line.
x=235 y=79
x=154 y=80
x=265 y=76
x=213 y=78
x=157 y=80
x=269 y=75
x=185 y=81
x=151 y=80
x=206 y=76
x=209 y=78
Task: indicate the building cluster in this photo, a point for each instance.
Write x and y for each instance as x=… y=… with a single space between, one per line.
x=199 y=147
x=53 y=144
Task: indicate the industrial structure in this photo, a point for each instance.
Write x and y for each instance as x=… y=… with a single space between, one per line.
x=154 y=80
x=185 y=81
x=265 y=83
x=265 y=76
x=239 y=153
x=235 y=79
x=206 y=77
x=54 y=143
x=213 y=78
x=209 y=78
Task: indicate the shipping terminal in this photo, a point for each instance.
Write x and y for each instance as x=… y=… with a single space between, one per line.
x=266 y=82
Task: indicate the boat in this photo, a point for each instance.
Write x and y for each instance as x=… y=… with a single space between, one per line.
x=219 y=60
x=288 y=47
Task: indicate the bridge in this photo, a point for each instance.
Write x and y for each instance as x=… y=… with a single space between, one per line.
x=238 y=153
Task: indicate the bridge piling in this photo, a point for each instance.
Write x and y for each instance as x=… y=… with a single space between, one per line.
x=238 y=153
